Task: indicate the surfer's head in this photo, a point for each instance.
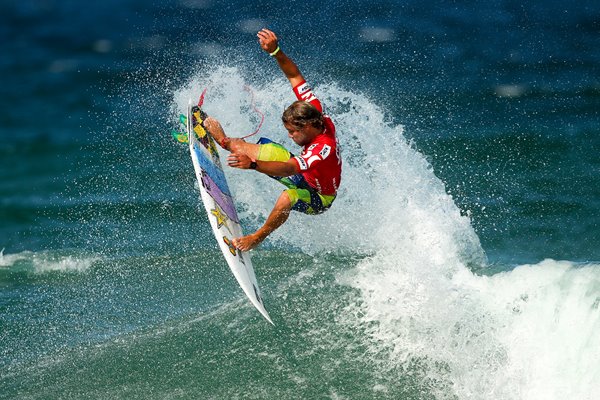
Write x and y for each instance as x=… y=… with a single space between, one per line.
x=300 y=114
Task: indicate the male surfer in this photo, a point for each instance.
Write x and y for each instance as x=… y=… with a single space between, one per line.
x=312 y=178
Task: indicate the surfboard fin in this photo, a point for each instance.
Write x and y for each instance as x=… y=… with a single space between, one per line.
x=199 y=129
x=181 y=137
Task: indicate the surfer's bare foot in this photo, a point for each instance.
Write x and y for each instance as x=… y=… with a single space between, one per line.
x=246 y=243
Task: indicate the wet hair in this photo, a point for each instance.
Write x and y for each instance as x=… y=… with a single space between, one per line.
x=301 y=113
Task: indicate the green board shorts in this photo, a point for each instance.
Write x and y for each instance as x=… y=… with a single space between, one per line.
x=304 y=198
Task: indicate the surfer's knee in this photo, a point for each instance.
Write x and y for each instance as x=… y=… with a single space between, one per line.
x=285 y=201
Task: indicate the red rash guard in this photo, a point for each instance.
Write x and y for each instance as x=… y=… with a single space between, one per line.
x=320 y=162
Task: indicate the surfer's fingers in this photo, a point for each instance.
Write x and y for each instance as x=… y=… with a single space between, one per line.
x=271 y=34
x=267 y=32
x=232 y=160
x=238 y=244
x=265 y=36
x=239 y=160
x=263 y=42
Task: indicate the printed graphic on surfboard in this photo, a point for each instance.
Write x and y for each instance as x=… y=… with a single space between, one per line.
x=219 y=205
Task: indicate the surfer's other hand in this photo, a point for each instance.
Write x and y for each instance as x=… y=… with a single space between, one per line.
x=239 y=160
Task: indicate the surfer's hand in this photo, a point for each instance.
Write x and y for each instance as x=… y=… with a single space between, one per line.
x=239 y=160
x=267 y=40
x=247 y=243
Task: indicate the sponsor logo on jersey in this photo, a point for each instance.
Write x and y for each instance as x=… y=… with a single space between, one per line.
x=303 y=88
x=302 y=163
x=325 y=151
x=305 y=93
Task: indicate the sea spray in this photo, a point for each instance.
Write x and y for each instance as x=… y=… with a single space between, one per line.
x=422 y=310
x=383 y=175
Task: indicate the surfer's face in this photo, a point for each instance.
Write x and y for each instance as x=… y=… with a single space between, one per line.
x=301 y=136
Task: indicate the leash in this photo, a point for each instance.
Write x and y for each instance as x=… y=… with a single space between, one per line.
x=252 y=104
x=201 y=100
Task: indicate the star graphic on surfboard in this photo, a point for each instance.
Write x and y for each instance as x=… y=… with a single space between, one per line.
x=220 y=216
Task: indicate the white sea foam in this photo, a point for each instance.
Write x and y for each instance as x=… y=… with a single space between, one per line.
x=530 y=333
x=8 y=260
x=43 y=262
x=63 y=264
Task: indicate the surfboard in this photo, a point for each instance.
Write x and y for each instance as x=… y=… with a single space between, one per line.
x=220 y=207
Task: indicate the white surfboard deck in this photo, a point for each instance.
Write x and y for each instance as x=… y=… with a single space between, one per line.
x=221 y=211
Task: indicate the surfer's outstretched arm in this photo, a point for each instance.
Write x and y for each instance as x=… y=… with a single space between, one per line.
x=268 y=42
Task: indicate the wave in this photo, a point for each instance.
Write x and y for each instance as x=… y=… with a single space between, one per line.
x=529 y=333
x=425 y=293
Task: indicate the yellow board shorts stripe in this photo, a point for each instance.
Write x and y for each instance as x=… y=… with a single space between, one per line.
x=273 y=152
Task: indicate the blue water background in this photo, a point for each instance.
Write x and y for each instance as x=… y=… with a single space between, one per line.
x=109 y=276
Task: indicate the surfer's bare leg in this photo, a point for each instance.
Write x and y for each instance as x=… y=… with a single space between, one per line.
x=278 y=216
x=234 y=145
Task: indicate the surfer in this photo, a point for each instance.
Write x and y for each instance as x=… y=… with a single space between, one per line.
x=312 y=178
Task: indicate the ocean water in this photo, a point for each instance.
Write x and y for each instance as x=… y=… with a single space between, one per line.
x=461 y=259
